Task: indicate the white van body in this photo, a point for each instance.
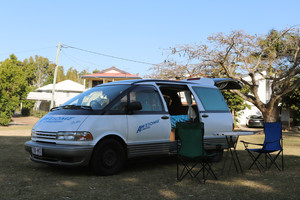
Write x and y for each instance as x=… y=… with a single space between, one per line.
x=112 y=122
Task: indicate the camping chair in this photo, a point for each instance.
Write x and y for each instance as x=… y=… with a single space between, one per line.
x=273 y=143
x=191 y=153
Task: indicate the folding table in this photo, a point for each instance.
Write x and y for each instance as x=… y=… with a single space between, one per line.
x=230 y=136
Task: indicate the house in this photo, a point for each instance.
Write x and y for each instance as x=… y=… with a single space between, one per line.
x=64 y=91
x=108 y=75
x=264 y=93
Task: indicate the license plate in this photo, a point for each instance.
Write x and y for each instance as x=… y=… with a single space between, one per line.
x=37 y=151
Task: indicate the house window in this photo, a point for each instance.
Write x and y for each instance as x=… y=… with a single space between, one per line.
x=95 y=83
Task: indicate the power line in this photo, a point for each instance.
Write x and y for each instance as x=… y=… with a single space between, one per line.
x=72 y=59
x=106 y=55
x=77 y=60
x=31 y=50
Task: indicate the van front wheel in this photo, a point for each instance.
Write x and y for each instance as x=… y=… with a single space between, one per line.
x=108 y=157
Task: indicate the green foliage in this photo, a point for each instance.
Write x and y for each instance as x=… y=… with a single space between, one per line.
x=60 y=74
x=50 y=75
x=4 y=119
x=235 y=104
x=38 y=113
x=81 y=80
x=293 y=102
x=72 y=74
x=27 y=106
x=43 y=70
x=18 y=78
x=96 y=71
x=25 y=112
x=15 y=80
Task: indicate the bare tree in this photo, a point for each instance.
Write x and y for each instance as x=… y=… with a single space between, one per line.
x=249 y=58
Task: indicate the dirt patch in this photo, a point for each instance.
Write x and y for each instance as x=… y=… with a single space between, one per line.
x=24 y=120
x=19 y=126
x=256 y=131
x=21 y=131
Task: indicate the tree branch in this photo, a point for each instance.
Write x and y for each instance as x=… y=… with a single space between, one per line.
x=286 y=90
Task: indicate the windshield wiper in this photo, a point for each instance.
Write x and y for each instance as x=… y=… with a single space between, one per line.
x=55 y=108
x=86 y=107
x=75 y=107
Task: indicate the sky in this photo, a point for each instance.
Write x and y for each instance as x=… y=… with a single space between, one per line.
x=135 y=30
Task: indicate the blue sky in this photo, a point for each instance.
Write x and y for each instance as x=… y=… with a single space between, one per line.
x=136 y=30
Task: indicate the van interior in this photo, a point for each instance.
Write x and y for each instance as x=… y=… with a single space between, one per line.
x=180 y=101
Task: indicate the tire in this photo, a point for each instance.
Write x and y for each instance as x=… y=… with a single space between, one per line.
x=108 y=158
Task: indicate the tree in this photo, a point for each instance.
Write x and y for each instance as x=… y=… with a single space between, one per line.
x=96 y=71
x=83 y=72
x=15 y=80
x=292 y=101
x=60 y=74
x=72 y=74
x=43 y=69
x=235 y=104
x=273 y=57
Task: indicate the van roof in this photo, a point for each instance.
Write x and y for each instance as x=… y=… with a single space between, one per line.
x=221 y=83
x=207 y=82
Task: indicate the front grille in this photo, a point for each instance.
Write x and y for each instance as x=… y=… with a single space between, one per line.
x=45 y=135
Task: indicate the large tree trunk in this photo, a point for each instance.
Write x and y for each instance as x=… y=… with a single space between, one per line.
x=271 y=115
x=271 y=112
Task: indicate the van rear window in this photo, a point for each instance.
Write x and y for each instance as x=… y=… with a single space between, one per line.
x=211 y=99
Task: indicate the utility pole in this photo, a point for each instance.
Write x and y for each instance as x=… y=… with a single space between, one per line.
x=55 y=75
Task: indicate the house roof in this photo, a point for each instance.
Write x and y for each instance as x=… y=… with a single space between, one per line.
x=67 y=85
x=112 y=72
x=43 y=96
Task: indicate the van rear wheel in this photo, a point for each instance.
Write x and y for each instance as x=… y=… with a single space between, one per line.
x=108 y=157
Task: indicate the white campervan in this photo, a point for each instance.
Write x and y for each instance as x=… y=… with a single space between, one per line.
x=110 y=123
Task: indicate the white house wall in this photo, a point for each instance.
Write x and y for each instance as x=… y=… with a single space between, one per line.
x=264 y=95
x=62 y=97
x=64 y=91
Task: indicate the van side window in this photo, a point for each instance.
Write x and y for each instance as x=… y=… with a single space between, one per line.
x=211 y=98
x=120 y=106
x=148 y=96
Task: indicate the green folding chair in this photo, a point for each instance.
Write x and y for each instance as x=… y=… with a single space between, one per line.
x=192 y=157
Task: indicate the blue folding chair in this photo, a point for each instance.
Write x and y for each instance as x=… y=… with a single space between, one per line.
x=273 y=143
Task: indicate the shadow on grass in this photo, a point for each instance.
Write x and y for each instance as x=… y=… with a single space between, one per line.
x=146 y=178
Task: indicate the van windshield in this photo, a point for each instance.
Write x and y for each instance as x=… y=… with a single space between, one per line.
x=96 y=98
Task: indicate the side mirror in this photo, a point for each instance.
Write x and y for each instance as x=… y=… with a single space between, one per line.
x=135 y=106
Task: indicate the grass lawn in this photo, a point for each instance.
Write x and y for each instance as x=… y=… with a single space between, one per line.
x=23 y=179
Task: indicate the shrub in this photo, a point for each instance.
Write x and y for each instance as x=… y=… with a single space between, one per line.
x=4 y=119
x=39 y=113
x=25 y=111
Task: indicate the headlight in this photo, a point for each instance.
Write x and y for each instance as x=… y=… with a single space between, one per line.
x=74 y=136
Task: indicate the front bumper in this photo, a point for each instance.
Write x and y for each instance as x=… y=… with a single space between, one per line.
x=60 y=155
